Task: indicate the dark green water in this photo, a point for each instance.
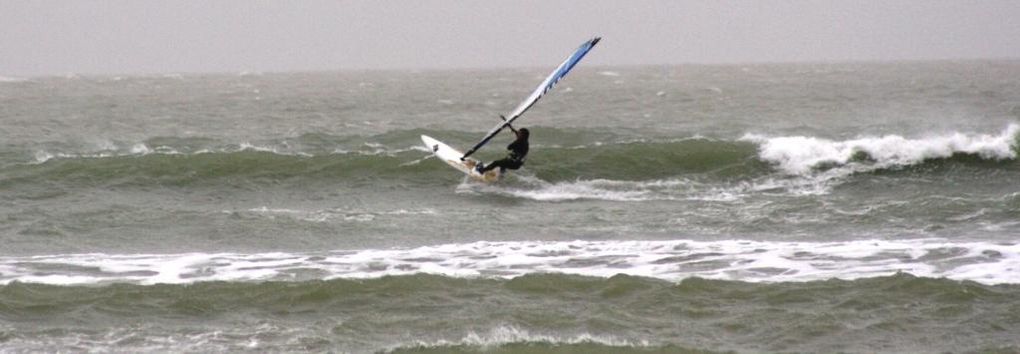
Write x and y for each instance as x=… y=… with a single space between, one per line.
x=763 y=208
x=534 y=312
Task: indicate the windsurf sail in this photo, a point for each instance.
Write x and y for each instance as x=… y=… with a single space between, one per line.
x=542 y=88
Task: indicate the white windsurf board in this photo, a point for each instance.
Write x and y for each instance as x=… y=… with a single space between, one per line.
x=452 y=157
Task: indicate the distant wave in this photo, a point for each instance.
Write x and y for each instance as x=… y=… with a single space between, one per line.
x=610 y=168
x=750 y=261
x=524 y=314
x=329 y=215
x=8 y=79
x=801 y=155
x=530 y=187
x=142 y=149
x=509 y=337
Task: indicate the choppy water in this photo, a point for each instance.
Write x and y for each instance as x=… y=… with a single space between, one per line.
x=818 y=208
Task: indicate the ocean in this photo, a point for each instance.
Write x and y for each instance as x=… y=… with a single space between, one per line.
x=844 y=207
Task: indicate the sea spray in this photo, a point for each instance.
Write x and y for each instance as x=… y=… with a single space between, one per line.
x=800 y=155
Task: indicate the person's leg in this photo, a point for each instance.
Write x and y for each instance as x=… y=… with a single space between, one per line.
x=491 y=166
x=503 y=164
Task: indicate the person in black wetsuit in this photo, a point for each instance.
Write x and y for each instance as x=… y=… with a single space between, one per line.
x=515 y=158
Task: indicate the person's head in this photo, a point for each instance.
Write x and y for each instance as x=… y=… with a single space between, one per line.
x=523 y=133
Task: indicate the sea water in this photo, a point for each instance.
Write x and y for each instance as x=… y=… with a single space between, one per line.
x=858 y=207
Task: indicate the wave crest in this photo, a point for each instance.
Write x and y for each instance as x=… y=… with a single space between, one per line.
x=751 y=261
x=802 y=155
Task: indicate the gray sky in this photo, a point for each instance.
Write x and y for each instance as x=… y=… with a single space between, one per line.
x=50 y=37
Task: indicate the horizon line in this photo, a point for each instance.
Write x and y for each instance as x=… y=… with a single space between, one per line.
x=492 y=68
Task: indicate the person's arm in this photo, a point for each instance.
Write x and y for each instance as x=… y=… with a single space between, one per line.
x=508 y=125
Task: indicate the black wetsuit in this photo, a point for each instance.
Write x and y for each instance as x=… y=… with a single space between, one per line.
x=513 y=160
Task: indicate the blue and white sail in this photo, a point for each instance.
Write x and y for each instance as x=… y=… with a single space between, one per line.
x=542 y=88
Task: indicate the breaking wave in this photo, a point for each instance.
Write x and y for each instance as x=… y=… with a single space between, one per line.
x=751 y=261
x=616 y=169
x=801 y=155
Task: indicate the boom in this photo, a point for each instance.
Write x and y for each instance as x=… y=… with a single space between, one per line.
x=542 y=88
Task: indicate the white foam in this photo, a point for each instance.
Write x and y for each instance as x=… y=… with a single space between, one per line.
x=376 y=149
x=595 y=144
x=800 y=155
x=594 y=189
x=43 y=156
x=678 y=189
x=10 y=79
x=140 y=149
x=332 y=215
x=246 y=146
x=508 y=334
x=752 y=261
x=108 y=149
